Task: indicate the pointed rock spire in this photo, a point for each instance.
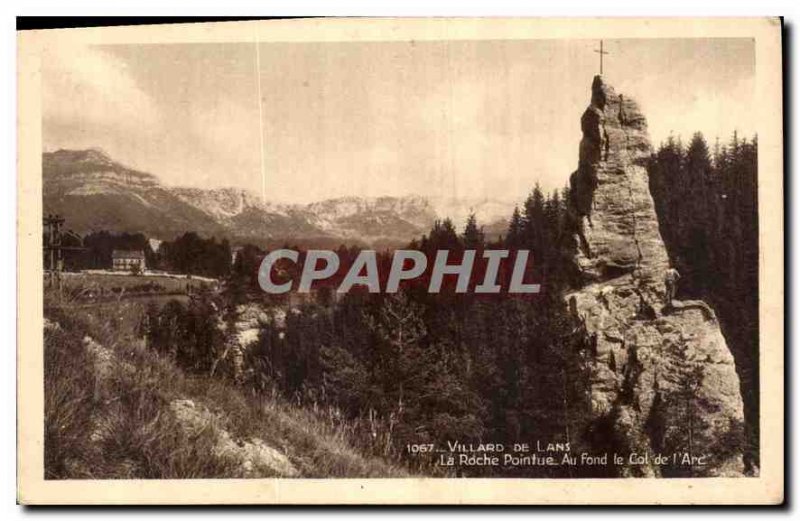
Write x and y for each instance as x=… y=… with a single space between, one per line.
x=662 y=377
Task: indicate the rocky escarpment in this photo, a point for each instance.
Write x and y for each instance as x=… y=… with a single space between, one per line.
x=663 y=380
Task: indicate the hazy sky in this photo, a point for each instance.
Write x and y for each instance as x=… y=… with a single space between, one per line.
x=464 y=119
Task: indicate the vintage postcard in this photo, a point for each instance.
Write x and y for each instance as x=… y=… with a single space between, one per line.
x=402 y=261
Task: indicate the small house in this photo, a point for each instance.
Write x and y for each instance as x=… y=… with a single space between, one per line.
x=127 y=260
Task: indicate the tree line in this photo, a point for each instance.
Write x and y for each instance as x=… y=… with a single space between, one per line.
x=187 y=254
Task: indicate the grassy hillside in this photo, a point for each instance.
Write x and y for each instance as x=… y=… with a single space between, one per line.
x=116 y=409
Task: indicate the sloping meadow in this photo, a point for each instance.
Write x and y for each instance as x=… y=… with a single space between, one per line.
x=116 y=409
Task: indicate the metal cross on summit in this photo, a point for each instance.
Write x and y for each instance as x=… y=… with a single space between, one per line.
x=601 y=52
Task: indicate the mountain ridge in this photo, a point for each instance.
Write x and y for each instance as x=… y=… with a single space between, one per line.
x=93 y=192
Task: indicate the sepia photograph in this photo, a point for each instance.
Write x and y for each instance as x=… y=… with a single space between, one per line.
x=416 y=250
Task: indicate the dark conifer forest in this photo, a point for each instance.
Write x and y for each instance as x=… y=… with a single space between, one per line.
x=415 y=367
x=707 y=205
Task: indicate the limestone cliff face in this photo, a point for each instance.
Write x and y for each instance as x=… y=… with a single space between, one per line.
x=663 y=378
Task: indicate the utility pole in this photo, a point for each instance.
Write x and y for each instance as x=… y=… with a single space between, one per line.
x=52 y=248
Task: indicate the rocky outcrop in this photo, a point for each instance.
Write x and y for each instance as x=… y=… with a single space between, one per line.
x=663 y=379
x=253 y=457
x=244 y=332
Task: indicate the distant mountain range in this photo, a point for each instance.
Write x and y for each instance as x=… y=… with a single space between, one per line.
x=93 y=192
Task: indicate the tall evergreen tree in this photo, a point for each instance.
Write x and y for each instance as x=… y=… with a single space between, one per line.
x=514 y=237
x=473 y=237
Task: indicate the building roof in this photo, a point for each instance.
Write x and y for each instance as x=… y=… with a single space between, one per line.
x=127 y=254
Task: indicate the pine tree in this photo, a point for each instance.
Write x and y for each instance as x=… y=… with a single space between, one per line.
x=534 y=220
x=473 y=237
x=514 y=237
